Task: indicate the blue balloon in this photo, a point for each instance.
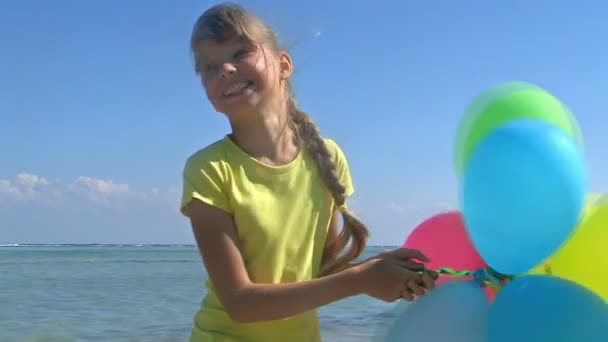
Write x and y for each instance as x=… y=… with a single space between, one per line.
x=523 y=194
x=456 y=311
x=540 y=308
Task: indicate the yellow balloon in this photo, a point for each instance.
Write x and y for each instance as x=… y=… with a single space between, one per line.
x=584 y=258
x=544 y=268
x=593 y=202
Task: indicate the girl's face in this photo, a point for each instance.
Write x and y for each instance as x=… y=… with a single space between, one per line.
x=238 y=76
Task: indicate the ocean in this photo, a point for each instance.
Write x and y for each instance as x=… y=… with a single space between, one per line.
x=66 y=293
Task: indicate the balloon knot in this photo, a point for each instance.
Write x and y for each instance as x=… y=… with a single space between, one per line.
x=479 y=277
x=487 y=277
x=497 y=276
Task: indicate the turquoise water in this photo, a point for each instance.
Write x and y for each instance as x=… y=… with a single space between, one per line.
x=130 y=293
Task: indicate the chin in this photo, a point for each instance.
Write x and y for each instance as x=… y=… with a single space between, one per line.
x=247 y=105
x=240 y=112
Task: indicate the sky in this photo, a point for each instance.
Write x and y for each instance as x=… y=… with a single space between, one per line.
x=100 y=107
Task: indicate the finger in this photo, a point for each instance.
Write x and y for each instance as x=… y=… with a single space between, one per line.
x=407 y=295
x=385 y=252
x=433 y=274
x=415 y=288
x=407 y=253
x=427 y=281
x=410 y=265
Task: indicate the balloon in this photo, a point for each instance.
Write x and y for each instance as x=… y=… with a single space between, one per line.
x=592 y=202
x=544 y=308
x=523 y=194
x=456 y=312
x=444 y=239
x=504 y=103
x=584 y=257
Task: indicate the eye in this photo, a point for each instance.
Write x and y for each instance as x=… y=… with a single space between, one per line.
x=208 y=69
x=211 y=67
x=241 y=54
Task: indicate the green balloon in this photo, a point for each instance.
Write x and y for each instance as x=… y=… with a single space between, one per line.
x=503 y=103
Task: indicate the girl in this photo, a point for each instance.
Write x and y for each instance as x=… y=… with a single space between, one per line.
x=265 y=201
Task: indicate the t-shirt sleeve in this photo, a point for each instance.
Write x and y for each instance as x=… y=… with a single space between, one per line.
x=342 y=167
x=203 y=180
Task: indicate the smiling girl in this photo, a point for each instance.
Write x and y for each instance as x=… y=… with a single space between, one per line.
x=265 y=200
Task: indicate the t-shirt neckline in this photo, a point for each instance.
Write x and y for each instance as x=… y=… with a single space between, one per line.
x=246 y=157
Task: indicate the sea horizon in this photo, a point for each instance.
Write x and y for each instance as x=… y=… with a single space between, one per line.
x=20 y=244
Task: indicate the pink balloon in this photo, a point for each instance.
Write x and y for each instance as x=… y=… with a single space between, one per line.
x=444 y=239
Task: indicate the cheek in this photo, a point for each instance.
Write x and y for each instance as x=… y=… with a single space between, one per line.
x=211 y=89
x=265 y=73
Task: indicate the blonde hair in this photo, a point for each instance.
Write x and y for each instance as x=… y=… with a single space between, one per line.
x=228 y=21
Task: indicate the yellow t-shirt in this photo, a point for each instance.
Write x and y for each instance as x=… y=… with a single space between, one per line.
x=282 y=215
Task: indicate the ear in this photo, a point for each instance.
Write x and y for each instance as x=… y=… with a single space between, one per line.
x=285 y=65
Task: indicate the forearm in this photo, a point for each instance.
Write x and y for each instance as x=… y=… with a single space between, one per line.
x=342 y=267
x=259 y=302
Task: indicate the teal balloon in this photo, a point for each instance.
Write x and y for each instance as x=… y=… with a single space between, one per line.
x=523 y=194
x=540 y=308
x=456 y=312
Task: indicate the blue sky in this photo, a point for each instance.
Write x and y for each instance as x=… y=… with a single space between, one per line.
x=99 y=106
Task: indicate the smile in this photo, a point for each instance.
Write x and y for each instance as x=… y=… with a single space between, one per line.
x=237 y=88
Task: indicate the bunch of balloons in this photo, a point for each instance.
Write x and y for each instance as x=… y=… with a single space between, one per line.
x=526 y=223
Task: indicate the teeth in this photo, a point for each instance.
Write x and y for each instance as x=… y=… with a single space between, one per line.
x=236 y=88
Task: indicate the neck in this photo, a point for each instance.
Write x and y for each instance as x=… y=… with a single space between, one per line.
x=267 y=137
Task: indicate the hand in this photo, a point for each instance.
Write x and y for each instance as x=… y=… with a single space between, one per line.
x=407 y=257
x=394 y=274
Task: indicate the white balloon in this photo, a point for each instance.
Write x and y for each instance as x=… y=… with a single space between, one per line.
x=456 y=311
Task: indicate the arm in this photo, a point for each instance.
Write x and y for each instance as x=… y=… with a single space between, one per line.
x=216 y=237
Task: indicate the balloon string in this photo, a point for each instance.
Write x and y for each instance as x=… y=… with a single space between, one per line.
x=484 y=276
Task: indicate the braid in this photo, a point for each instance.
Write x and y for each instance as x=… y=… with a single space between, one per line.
x=307 y=132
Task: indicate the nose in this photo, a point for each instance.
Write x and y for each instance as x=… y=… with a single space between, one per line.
x=228 y=70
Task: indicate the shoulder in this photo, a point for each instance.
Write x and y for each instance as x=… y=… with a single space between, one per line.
x=210 y=162
x=341 y=163
x=331 y=143
x=211 y=159
x=212 y=153
x=205 y=177
x=335 y=150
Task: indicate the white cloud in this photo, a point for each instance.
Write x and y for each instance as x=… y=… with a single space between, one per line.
x=397 y=208
x=401 y=209
x=101 y=191
x=8 y=189
x=30 y=188
x=100 y=186
x=30 y=180
x=24 y=187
